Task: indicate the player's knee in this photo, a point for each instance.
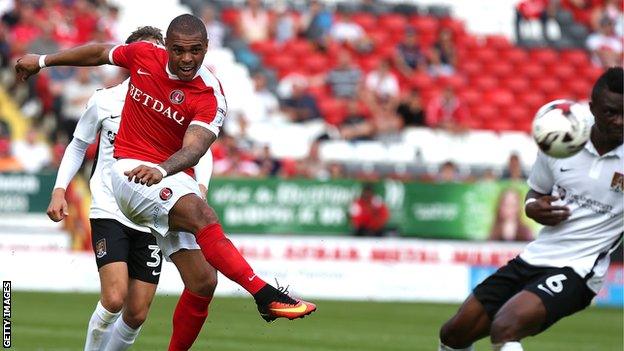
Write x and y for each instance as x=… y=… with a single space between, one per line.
x=505 y=329
x=135 y=317
x=113 y=301
x=204 y=284
x=453 y=335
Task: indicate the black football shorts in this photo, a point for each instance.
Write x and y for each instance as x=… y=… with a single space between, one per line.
x=562 y=290
x=114 y=242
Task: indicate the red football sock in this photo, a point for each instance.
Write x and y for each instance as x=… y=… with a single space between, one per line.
x=223 y=255
x=188 y=319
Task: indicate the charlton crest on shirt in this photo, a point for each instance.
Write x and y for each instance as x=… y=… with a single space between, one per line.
x=617 y=182
x=176 y=97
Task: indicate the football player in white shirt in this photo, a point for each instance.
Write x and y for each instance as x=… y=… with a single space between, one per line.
x=580 y=202
x=128 y=256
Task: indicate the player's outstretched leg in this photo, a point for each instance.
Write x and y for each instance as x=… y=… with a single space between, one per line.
x=523 y=315
x=470 y=324
x=200 y=281
x=192 y=214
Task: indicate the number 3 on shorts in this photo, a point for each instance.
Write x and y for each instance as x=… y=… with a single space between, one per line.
x=155 y=250
x=554 y=284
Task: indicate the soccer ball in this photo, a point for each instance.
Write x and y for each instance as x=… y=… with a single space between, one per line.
x=561 y=128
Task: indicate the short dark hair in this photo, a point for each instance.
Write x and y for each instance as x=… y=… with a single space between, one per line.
x=189 y=25
x=612 y=80
x=146 y=32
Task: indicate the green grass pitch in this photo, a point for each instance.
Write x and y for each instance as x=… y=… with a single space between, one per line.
x=51 y=321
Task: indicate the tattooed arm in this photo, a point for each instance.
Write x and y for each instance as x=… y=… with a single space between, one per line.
x=196 y=142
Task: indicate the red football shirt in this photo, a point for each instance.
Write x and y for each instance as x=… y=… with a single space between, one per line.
x=159 y=107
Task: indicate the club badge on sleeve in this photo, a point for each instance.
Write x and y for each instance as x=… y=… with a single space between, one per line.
x=617 y=182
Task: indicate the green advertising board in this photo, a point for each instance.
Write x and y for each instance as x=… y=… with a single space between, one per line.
x=24 y=193
x=454 y=211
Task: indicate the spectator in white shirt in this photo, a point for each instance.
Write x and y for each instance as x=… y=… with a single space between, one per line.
x=214 y=28
x=605 y=45
x=32 y=153
x=382 y=83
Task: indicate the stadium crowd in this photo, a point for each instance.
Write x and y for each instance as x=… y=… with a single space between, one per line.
x=366 y=69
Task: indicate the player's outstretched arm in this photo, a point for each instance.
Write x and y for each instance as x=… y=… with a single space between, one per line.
x=197 y=140
x=539 y=208
x=86 y=55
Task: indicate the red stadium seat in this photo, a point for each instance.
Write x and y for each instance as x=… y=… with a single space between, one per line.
x=229 y=16
x=333 y=110
x=283 y=63
x=514 y=55
x=393 y=22
x=497 y=42
x=546 y=84
x=562 y=70
x=369 y=63
x=483 y=54
x=265 y=47
x=470 y=96
x=580 y=89
x=484 y=82
x=473 y=123
x=500 y=69
x=544 y=56
x=455 y=81
x=519 y=113
x=420 y=81
x=485 y=112
x=531 y=100
x=456 y=26
x=424 y=24
x=531 y=70
x=499 y=97
x=298 y=47
x=516 y=84
x=316 y=63
x=500 y=124
x=577 y=57
x=470 y=67
x=365 y=20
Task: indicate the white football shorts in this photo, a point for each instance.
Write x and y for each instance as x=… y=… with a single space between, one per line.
x=149 y=206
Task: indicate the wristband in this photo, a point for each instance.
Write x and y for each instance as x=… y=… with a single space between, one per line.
x=42 y=61
x=162 y=170
x=529 y=200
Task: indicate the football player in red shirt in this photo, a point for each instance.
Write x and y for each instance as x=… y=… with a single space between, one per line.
x=172 y=114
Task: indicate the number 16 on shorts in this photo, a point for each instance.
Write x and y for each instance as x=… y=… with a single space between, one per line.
x=554 y=284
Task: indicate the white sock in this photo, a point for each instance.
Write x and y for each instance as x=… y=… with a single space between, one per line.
x=123 y=336
x=508 y=346
x=100 y=327
x=446 y=348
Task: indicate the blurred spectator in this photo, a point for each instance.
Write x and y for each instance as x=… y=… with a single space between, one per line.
x=317 y=22
x=58 y=149
x=369 y=214
x=269 y=167
x=448 y=173
x=44 y=43
x=528 y=12
x=611 y=9
x=344 y=79
x=8 y=163
x=386 y=122
x=214 y=28
x=32 y=153
x=284 y=26
x=5 y=130
x=254 y=22
x=85 y=20
x=109 y=24
x=301 y=106
x=236 y=164
x=240 y=47
x=605 y=45
x=581 y=10
x=345 y=31
x=446 y=112
x=5 y=50
x=355 y=126
x=488 y=176
x=264 y=102
x=76 y=92
x=409 y=56
x=311 y=166
x=508 y=224
x=443 y=57
x=382 y=83
x=514 y=169
x=411 y=111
